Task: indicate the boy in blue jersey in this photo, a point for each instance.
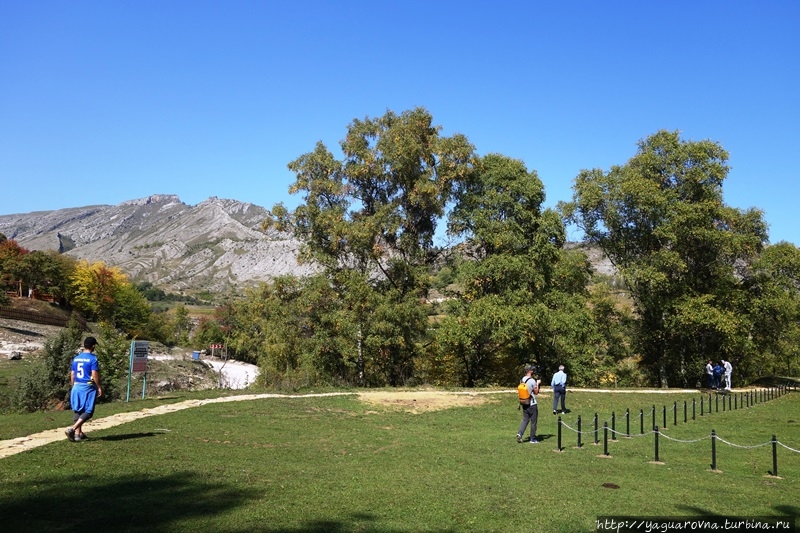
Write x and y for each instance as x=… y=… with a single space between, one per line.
x=84 y=376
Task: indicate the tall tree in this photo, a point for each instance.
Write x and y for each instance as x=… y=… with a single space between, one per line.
x=522 y=297
x=662 y=221
x=369 y=221
x=774 y=309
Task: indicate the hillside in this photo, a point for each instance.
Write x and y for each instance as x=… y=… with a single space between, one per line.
x=214 y=246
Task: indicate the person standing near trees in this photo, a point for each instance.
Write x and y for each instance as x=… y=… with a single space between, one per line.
x=710 y=374
x=728 y=367
x=559 y=384
x=718 y=376
x=527 y=390
x=84 y=377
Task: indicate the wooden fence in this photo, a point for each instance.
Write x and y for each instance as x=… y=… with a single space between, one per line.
x=42 y=318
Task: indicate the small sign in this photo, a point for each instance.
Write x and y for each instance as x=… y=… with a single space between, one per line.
x=139 y=356
x=217 y=346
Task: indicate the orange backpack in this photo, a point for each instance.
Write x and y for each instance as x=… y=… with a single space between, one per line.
x=522 y=392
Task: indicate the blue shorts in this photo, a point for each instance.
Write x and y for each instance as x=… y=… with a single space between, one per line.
x=82 y=397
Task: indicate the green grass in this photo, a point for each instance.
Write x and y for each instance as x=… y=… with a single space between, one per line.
x=336 y=464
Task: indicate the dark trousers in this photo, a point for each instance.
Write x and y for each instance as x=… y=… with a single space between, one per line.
x=530 y=415
x=559 y=395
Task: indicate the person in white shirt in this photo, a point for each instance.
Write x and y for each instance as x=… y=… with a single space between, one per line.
x=710 y=374
x=728 y=372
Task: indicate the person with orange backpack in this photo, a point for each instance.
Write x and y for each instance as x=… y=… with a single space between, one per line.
x=527 y=390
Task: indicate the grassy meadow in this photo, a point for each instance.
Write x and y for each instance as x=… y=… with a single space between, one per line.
x=338 y=464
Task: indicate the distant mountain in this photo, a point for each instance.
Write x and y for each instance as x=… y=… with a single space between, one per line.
x=216 y=245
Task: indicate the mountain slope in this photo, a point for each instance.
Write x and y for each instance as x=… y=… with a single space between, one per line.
x=216 y=245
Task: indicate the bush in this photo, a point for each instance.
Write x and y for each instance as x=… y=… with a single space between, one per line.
x=46 y=381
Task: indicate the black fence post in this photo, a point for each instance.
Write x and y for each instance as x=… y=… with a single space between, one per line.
x=736 y=401
x=685 y=413
x=559 y=433
x=730 y=399
x=655 y=429
x=596 y=440
x=693 y=409
x=627 y=422
x=675 y=413
x=613 y=426
x=775 y=456
x=702 y=405
x=664 y=410
x=713 y=450
x=723 y=403
x=653 y=416
x=579 y=431
x=641 y=421
x=605 y=438
x=717 y=403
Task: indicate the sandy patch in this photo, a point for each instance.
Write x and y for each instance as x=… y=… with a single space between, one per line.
x=422 y=401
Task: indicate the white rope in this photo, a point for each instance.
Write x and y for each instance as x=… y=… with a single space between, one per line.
x=681 y=440
x=790 y=449
x=576 y=431
x=744 y=447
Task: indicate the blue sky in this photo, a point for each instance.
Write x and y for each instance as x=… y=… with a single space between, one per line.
x=102 y=102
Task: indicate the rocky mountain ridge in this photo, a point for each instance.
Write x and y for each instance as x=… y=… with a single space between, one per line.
x=214 y=246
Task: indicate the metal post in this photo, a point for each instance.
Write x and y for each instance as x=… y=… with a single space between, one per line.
x=685 y=412
x=675 y=413
x=605 y=438
x=713 y=450
x=664 y=409
x=694 y=409
x=656 y=441
x=627 y=422
x=641 y=421
x=736 y=401
x=723 y=403
x=596 y=439
x=653 y=417
x=579 y=431
x=717 y=403
x=559 y=433
x=613 y=426
x=775 y=456
x=702 y=405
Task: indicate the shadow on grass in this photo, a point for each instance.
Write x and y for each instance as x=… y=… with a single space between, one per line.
x=130 y=503
x=780 y=510
x=358 y=522
x=176 y=502
x=128 y=436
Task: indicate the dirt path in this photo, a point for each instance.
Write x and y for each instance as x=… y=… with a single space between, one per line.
x=411 y=401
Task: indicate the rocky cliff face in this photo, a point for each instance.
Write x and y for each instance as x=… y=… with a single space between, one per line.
x=216 y=245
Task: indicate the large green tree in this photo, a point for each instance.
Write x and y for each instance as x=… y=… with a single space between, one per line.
x=369 y=221
x=662 y=221
x=774 y=308
x=521 y=297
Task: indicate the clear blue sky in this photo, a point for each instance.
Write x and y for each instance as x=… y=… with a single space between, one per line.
x=107 y=101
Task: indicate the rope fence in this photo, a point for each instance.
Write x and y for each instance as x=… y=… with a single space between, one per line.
x=734 y=402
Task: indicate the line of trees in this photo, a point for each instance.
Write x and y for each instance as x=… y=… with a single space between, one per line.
x=101 y=293
x=701 y=278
